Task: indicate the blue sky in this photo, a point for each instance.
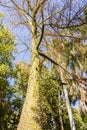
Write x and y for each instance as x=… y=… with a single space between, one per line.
x=21 y=35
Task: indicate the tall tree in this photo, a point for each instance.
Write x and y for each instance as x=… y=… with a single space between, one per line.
x=61 y=60
x=29 y=11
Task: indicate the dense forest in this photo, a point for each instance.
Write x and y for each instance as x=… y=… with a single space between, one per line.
x=50 y=91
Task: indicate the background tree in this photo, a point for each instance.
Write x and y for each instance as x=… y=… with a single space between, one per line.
x=7 y=47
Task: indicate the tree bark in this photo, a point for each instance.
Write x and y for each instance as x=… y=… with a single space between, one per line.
x=30 y=115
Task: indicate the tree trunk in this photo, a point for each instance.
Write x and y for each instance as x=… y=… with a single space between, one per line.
x=70 y=114
x=60 y=114
x=72 y=124
x=30 y=115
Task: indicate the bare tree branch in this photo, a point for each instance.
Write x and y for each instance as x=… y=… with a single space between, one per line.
x=42 y=30
x=51 y=15
x=52 y=61
x=67 y=36
x=39 y=5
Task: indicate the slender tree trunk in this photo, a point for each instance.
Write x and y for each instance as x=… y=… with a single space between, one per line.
x=60 y=114
x=70 y=114
x=30 y=115
x=72 y=124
